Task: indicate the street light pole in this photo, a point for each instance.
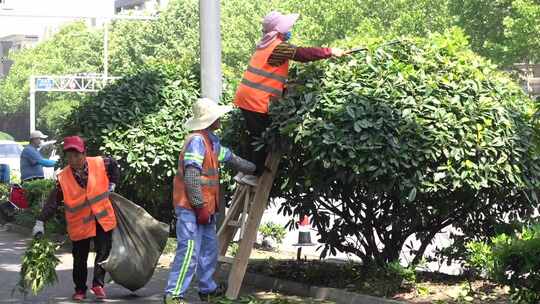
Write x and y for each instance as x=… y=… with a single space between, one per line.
x=105 y=50
x=210 y=44
x=32 y=103
x=210 y=41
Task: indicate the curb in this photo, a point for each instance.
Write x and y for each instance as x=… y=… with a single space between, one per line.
x=27 y=232
x=339 y=296
x=11 y=227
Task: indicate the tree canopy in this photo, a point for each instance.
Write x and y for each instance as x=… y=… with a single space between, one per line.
x=505 y=31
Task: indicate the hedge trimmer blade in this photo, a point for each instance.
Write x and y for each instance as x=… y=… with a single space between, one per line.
x=356 y=50
x=363 y=48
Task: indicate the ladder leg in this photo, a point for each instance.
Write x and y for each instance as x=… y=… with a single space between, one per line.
x=245 y=212
x=235 y=204
x=260 y=201
x=226 y=233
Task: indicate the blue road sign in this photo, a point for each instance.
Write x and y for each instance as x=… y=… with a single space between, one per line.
x=44 y=83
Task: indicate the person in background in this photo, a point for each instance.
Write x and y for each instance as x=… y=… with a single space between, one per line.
x=265 y=78
x=196 y=201
x=84 y=186
x=32 y=162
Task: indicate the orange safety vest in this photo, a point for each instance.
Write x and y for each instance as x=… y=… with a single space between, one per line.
x=84 y=206
x=261 y=81
x=209 y=177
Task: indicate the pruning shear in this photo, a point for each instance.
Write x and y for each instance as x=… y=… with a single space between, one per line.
x=363 y=48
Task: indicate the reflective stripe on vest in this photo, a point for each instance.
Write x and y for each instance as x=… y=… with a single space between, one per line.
x=88 y=203
x=210 y=172
x=92 y=217
x=266 y=74
x=261 y=87
x=261 y=81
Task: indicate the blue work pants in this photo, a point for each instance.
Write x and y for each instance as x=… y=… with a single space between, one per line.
x=196 y=251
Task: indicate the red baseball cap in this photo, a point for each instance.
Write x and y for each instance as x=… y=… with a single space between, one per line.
x=74 y=142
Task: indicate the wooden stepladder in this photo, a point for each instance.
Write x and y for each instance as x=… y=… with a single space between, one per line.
x=245 y=214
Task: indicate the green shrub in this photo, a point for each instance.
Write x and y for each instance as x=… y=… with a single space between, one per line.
x=4 y=192
x=511 y=260
x=36 y=193
x=405 y=139
x=15 y=176
x=139 y=120
x=407 y=274
x=54 y=114
x=383 y=281
x=273 y=231
x=5 y=136
x=233 y=249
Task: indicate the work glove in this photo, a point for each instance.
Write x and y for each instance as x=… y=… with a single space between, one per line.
x=203 y=216
x=39 y=228
x=337 y=52
x=112 y=186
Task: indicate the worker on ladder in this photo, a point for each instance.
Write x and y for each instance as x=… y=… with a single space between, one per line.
x=265 y=78
x=196 y=199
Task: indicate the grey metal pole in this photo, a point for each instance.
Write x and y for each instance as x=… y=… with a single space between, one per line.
x=32 y=103
x=105 y=49
x=210 y=43
x=210 y=38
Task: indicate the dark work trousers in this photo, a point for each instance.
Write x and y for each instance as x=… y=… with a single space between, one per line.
x=102 y=245
x=256 y=124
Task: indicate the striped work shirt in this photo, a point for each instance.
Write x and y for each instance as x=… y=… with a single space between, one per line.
x=286 y=51
x=195 y=151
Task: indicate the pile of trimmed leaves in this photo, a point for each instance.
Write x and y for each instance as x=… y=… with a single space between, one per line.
x=38 y=267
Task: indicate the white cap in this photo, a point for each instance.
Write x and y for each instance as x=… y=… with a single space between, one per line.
x=205 y=112
x=37 y=134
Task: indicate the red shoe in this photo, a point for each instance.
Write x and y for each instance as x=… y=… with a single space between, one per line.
x=79 y=295
x=99 y=292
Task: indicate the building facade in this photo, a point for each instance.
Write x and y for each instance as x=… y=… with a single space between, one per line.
x=13 y=43
x=139 y=5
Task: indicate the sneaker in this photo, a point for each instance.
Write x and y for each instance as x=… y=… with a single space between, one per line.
x=99 y=292
x=169 y=299
x=250 y=180
x=238 y=177
x=218 y=292
x=79 y=295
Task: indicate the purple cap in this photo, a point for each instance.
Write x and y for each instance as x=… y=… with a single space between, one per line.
x=276 y=21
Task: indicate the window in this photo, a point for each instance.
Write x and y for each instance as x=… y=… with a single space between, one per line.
x=10 y=150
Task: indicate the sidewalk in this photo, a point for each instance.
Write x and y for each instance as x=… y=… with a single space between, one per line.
x=12 y=246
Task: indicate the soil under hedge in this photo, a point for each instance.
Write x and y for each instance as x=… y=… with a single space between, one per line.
x=428 y=288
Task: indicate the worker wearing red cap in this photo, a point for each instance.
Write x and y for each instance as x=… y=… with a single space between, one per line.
x=84 y=186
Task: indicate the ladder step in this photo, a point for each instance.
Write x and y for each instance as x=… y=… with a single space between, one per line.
x=225 y=259
x=234 y=224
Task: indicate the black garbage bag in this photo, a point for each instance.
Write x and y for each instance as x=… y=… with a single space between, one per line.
x=137 y=244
